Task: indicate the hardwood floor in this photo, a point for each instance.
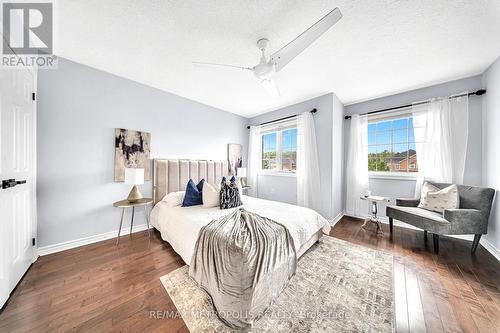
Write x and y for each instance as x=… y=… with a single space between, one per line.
x=106 y=288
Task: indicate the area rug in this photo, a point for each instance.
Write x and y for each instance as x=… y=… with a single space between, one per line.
x=338 y=287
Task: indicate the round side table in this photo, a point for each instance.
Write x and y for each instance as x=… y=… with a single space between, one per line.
x=144 y=202
x=374 y=218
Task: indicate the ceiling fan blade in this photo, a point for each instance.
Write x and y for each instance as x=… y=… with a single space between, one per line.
x=301 y=42
x=271 y=87
x=211 y=64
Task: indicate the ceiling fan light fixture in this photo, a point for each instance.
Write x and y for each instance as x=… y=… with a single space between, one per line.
x=270 y=86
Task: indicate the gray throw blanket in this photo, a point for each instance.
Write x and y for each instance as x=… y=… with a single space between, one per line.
x=243 y=261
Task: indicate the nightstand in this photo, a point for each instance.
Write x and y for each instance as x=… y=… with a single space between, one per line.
x=144 y=202
x=244 y=190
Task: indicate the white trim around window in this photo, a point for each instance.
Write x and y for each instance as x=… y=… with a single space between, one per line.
x=392 y=175
x=277 y=173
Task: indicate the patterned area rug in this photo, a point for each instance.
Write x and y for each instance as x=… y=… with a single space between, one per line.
x=338 y=287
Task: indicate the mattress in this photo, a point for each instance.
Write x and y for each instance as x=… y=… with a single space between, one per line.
x=180 y=226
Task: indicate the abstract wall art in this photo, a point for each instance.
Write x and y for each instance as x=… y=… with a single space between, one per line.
x=235 y=157
x=132 y=150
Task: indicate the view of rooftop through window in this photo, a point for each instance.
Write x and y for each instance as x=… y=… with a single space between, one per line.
x=279 y=150
x=391 y=145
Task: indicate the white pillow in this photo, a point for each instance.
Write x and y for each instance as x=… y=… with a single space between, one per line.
x=174 y=199
x=432 y=198
x=210 y=196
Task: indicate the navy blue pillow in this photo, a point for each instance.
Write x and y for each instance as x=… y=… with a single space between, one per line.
x=200 y=185
x=193 y=196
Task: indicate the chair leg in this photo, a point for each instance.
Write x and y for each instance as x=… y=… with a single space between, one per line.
x=436 y=243
x=425 y=236
x=391 y=225
x=475 y=243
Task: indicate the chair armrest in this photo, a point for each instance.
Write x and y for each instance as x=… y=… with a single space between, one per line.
x=457 y=215
x=407 y=202
x=466 y=221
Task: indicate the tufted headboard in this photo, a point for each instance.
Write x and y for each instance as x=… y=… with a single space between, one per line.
x=173 y=175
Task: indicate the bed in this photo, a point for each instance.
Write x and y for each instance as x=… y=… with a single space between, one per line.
x=180 y=226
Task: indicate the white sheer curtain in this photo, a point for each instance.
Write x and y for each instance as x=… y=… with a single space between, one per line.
x=308 y=182
x=253 y=159
x=441 y=132
x=357 y=166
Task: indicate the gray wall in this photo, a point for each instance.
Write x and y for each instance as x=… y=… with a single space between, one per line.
x=491 y=141
x=78 y=109
x=398 y=188
x=284 y=188
x=338 y=146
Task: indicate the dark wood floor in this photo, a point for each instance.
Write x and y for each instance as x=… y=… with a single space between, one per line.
x=104 y=288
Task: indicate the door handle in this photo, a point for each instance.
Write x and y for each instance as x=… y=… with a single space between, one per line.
x=7 y=183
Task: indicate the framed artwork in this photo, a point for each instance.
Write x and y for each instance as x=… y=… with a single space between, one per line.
x=235 y=157
x=132 y=150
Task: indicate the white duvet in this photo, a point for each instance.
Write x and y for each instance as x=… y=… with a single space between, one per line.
x=180 y=226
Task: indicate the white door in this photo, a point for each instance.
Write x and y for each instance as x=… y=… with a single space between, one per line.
x=17 y=164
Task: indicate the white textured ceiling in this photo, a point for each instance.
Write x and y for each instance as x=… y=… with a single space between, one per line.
x=378 y=48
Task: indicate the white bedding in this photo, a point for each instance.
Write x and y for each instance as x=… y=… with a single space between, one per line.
x=180 y=226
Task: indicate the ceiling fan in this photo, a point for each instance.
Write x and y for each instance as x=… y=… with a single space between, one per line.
x=266 y=69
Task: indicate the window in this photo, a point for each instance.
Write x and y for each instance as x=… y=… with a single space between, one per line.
x=279 y=150
x=391 y=145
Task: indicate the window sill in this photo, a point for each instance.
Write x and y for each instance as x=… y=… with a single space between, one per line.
x=277 y=174
x=392 y=177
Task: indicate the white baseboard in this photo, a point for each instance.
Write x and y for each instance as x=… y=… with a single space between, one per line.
x=337 y=218
x=44 y=250
x=490 y=248
x=484 y=242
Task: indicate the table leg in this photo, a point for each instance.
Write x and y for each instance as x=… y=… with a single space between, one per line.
x=120 y=228
x=375 y=218
x=369 y=219
x=374 y=210
x=147 y=219
x=132 y=221
x=379 y=227
x=365 y=223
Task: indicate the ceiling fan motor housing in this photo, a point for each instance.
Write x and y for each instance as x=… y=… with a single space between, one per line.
x=264 y=70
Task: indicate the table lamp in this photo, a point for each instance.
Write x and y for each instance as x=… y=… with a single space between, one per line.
x=134 y=177
x=242 y=173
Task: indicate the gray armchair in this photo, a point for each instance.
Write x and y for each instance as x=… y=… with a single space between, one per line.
x=470 y=218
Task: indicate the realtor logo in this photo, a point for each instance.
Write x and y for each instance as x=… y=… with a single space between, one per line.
x=27 y=35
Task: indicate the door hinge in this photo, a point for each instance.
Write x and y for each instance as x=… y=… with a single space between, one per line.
x=33 y=241
x=33 y=96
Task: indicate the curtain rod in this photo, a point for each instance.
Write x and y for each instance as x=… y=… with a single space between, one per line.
x=478 y=93
x=313 y=111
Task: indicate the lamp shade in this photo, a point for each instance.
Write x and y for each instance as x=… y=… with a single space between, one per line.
x=134 y=176
x=241 y=172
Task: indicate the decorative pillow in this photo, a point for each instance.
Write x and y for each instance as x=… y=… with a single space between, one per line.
x=238 y=183
x=193 y=194
x=174 y=199
x=432 y=198
x=210 y=196
x=199 y=186
x=229 y=194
